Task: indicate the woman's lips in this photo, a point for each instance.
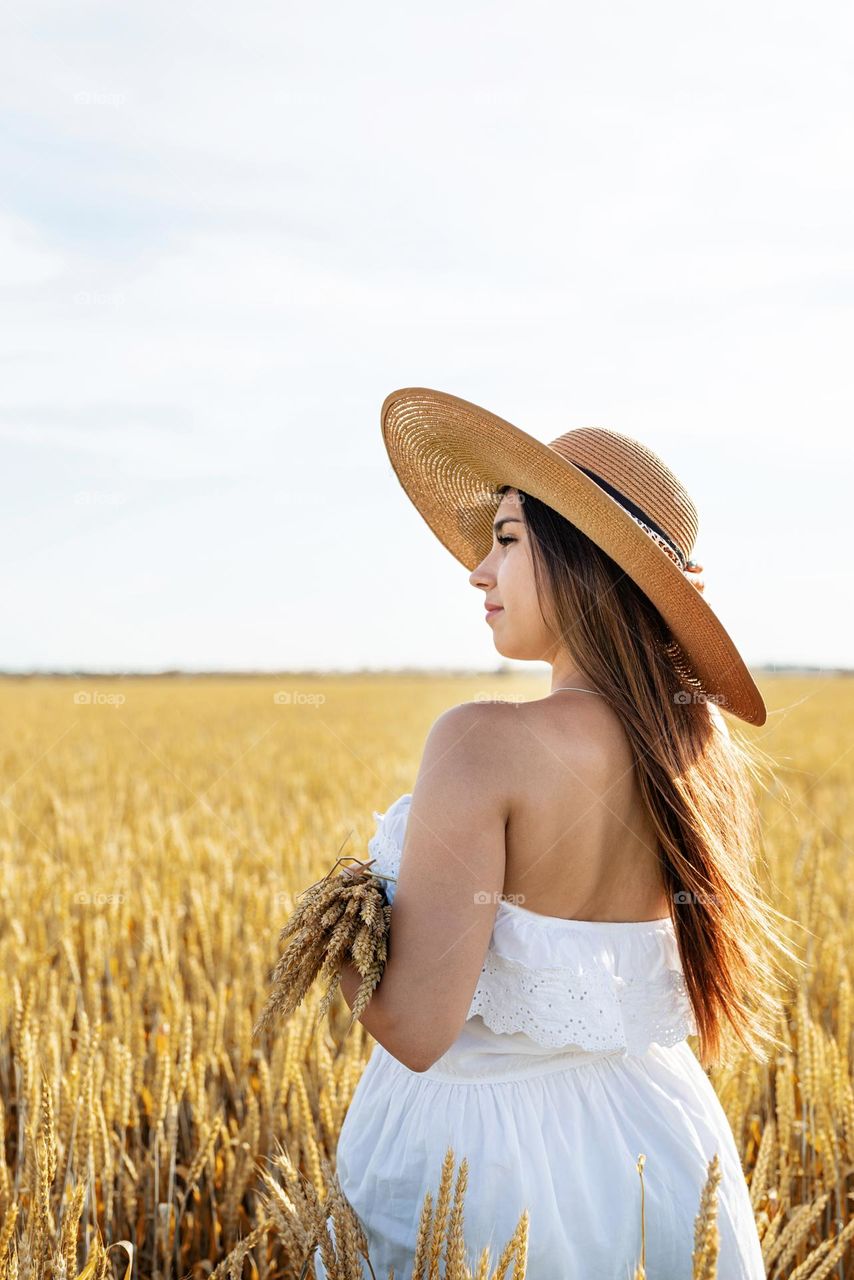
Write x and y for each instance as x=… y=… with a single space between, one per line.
x=491 y=613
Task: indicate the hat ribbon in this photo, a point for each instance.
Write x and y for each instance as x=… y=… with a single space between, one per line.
x=640 y=517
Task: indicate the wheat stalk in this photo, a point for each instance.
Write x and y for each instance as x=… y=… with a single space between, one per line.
x=341 y=918
x=706 y=1235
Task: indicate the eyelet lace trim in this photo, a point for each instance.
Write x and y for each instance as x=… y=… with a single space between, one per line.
x=595 y=1010
x=387 y=853
x=586 y=1006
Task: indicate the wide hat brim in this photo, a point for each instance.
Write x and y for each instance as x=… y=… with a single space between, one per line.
x=450 y=456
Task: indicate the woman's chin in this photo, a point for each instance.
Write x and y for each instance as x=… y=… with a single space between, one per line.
x=518 y=649
x=505 y=648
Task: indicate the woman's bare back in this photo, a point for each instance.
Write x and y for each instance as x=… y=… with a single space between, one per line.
x=580 y=843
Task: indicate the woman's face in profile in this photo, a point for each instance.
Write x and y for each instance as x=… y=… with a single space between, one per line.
x=506 y=577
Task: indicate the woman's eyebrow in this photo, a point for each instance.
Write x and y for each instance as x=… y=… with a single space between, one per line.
x=505 y=520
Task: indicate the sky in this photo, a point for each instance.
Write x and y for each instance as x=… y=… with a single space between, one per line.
x=227 y=234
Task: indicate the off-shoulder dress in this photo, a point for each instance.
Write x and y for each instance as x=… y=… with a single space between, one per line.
x=573 y=1061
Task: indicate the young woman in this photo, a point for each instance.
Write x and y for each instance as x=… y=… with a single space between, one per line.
x=574 y=888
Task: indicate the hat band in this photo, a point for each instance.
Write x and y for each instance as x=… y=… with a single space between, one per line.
x=640 y=517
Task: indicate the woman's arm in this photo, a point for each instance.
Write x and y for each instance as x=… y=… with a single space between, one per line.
x=373 y=1019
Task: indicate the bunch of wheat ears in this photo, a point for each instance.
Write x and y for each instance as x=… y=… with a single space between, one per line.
x=344 y=917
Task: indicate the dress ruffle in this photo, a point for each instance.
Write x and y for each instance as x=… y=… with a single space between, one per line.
x=599 y=986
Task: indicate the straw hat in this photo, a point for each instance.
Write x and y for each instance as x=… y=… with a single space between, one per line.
x=450 y=456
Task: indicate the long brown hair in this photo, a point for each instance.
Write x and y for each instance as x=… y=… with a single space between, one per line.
x=695 y=777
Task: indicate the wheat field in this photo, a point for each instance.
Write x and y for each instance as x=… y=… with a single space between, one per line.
x=154 y=834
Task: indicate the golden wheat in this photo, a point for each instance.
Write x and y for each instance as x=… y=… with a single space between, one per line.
x=151 y=850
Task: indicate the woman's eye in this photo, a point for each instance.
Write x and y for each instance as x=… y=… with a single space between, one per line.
x=503 y=539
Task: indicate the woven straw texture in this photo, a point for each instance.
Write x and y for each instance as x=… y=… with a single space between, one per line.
x=451 y=456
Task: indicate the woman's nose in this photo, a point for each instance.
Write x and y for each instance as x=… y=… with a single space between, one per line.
x=481 y=577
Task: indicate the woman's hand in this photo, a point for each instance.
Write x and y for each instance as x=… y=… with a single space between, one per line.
x=694 y=574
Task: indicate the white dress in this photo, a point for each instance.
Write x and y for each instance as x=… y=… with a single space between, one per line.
x=572 y=1062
